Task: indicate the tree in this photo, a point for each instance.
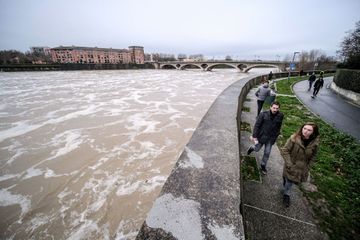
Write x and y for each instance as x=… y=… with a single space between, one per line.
x=181 y=56
x=228 y=58
x=350 y=49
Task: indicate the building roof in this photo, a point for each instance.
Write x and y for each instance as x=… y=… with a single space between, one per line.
x=90 y=49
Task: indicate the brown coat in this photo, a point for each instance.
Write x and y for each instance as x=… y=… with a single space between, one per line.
x=298 y=158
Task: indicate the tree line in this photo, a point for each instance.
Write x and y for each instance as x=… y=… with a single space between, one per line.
x=17 y=57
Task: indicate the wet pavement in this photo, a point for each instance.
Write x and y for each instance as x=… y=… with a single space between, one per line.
x=331 y=107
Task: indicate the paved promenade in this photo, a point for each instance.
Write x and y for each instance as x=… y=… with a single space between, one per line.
x=264 y=213
x=331 y=107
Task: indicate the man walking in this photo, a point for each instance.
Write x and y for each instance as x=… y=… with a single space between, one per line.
x=262 y=93
x=318 y=84
x=266 y=130
x=312 y=79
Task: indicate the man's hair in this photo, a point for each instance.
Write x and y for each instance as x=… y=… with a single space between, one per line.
x=275 y=103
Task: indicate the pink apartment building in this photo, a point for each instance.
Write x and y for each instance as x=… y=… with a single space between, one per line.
x=74 y=54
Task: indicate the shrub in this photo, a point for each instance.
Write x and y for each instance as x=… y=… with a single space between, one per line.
x=348 y=79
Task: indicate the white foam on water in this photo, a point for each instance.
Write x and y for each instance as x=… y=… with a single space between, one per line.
x=8 y=176
x=33 y=172
x=120 y=235
x=72 y=139
x=8 y=199
x=88 y=111
x=19 y=128
x=85 y=231
x=140 y=123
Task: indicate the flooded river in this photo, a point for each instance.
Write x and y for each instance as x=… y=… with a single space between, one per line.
x=83 y=154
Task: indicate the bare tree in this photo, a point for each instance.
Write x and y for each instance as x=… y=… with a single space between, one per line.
x=228 y=58
x=350 y=48
x=181 y=56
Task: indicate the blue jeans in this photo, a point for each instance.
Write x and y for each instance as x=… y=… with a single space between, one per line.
x=287 y=186
x=267 y=151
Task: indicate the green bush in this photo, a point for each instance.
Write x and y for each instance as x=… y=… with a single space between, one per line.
x=348 y=79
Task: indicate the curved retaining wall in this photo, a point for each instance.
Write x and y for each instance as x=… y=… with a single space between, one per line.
x=201 y=199
x=349 y=95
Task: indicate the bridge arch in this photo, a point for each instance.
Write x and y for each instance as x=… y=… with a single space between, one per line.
x=189 y=64
x=248 y=68
x=168 y=66
x=211 y=66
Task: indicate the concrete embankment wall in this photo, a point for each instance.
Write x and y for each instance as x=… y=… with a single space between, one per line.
x=201 y=198
x=349 y=95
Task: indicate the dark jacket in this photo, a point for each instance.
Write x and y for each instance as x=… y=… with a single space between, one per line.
x=319 y=83
x=298 y=158
x=267 y=128
x=312 y=78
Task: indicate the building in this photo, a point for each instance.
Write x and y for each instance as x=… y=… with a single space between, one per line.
x=137 y=54
x=74 y=54
x=40 y=50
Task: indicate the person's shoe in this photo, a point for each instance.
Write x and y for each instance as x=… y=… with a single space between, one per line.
x=263 y=169
x=250 y=150
x=286 y=200
x=312 y=96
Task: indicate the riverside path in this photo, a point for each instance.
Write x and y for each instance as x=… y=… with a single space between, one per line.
x=331 y=107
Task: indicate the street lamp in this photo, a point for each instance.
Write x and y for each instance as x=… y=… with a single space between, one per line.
x=292 y=64
x=294 y=56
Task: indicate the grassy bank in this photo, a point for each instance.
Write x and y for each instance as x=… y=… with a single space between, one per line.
x=336 y=172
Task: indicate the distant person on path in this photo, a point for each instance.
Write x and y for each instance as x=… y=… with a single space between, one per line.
x=266 y=130
x=312 y=79
x=262 y=93
x=301 y=72
x=318 y=84
x=299 y=155
x=270 y=76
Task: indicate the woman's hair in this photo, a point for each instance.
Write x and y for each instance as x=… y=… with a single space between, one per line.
x=315 y=128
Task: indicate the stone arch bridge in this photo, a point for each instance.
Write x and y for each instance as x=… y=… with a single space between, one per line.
x=243 y=66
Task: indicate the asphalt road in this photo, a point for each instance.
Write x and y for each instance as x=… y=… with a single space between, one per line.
x=331 y=107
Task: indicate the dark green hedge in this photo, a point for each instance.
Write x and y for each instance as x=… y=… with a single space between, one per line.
x=348 y=79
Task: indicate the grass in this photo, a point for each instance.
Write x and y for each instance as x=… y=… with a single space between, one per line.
x=246 y=109
x=336 y=172
x=245 y=127
x=249 y=169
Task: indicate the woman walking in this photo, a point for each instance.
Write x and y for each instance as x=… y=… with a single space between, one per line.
x=299 y=154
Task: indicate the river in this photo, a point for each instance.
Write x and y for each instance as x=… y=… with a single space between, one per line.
x=83 y=154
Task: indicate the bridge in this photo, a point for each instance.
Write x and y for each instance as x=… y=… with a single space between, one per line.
x=243 y=66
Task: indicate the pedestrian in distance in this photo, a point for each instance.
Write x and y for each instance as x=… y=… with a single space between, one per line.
x=270 y=76
x=299 y=154
x=262 y=93
x=318 y=84
x=301 y=72
x=266 y=130
x=312 y=79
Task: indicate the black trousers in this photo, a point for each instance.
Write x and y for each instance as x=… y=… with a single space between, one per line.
x=260 y=105
x=316 y=90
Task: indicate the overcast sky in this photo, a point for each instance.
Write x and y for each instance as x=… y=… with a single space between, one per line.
x=244 y=29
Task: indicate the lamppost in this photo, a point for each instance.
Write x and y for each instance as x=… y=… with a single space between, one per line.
x=292 y=64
